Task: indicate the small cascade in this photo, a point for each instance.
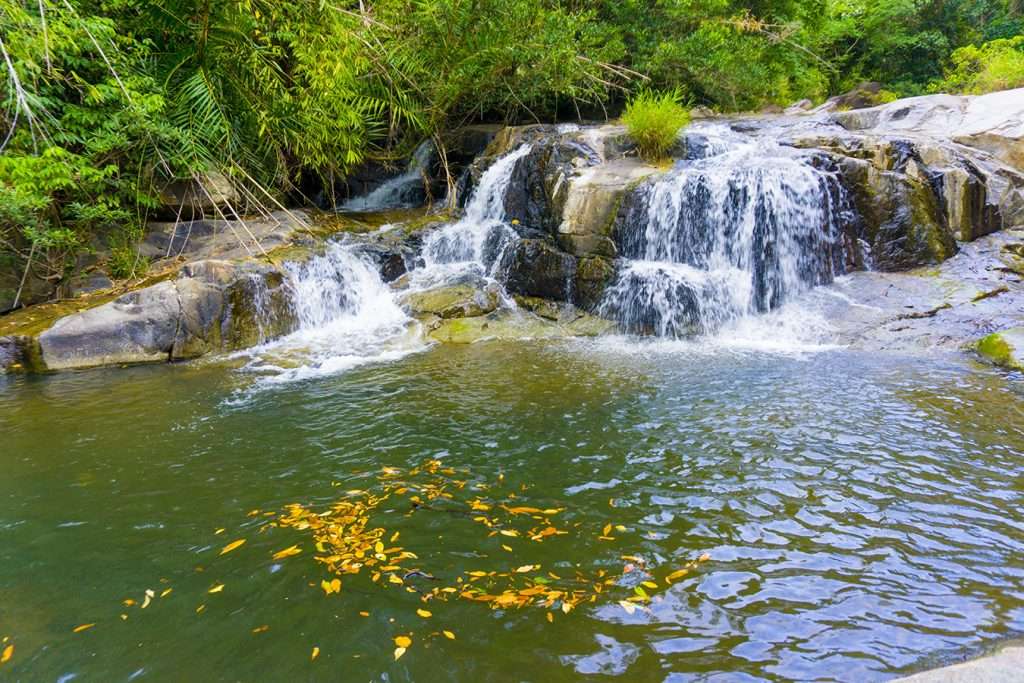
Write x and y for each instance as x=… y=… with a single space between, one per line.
x=474 y=244
x=734 y=232
x=401 y=192
x=347 y=316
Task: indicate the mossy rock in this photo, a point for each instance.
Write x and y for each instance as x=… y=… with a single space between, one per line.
x=1004 y=348
x=454 y=301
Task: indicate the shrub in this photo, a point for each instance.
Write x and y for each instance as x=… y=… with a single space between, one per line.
x=996 y=65
x=654 y=120
x=125 y=261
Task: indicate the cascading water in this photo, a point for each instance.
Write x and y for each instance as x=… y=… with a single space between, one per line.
x=473 y=245
x=402 y=191
x=346 y=314
x=735 y=232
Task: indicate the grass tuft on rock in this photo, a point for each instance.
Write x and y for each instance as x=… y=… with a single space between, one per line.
x=654 y=120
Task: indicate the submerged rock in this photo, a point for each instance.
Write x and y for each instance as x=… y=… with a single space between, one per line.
x=517 y=325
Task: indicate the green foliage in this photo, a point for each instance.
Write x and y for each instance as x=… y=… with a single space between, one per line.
x=995 y=65
x=102 y=102
x=654 y=121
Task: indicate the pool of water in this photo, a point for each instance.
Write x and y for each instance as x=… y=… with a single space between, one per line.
x=864 y=515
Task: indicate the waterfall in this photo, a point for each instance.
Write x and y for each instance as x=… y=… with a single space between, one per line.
x=736 y=231
x=347 y=316
x=473 y=245
x=402 y=191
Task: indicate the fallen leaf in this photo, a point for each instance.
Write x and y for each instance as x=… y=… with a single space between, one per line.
x=218 y=531
x=676 y=575
x=704 y=558
x=449 y=635
x=231 y=546
x=316 y=653
x=607 y=529
x=364 y=614
x=628 y=606
x=216 y=589
x=166 y=592
x=551 y=617
x=399 y=651
x=403 y=641
x=6 y=655
x=83 y=627
x=261 y=629
x=200 y=609
x=527 y=568
x=287 y=552
x=423 y=613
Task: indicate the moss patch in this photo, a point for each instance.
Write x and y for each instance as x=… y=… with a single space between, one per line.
x=997 y=349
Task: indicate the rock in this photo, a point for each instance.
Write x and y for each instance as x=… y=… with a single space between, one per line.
x=993 y=123
x=864 y=95
x=210 y=194
x=592 y=203
x=19 y=353
x=702 y=112
x=1004 y=348
x=901 y=221
x=592 y=276
x=453 y=301
x=88 y=283
x=515 y=325
x=204 y=238
x=799 y=107
x=139 y=327
x=534 y=267
x=1002 y=666
x=212 y=306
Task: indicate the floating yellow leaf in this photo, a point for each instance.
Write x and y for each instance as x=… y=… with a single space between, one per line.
x=704 y=558
x=261 y=629
x=527 y=568
x=83 y=627
x=124 y=617
x=551 y=617
x=607 y=529
x=6 y=655
x=218 y=532
x=332 y=586
x=566 y=607
x=628 y=606
x=649 y=584
x=449 y=635
x=676 y=575
x=509 y=532
x=200 y=609
x=166 y=592
x=127 y=602
x=216 y=589
x=364 y=614
x=399 y=651
x=403 y=641
x=394 y=537
x=287 y=552
x=316 y=653
x=423 y=613
x=231 y=546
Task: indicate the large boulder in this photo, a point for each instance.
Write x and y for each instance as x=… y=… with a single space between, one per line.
x=993 y=123
x=209 y=194
x=535 y=267
x=139 y=327
x=211 y=306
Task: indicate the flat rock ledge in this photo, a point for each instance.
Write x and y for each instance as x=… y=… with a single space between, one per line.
x=1005 y=665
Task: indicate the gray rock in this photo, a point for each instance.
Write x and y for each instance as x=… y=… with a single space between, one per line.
x=1002 y=666
x=139 y=327
x=453 y=301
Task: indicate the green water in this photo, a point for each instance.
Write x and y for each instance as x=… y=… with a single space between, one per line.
x=863 y=515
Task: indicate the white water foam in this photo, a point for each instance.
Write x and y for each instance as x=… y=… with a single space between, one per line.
x=347 y=316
